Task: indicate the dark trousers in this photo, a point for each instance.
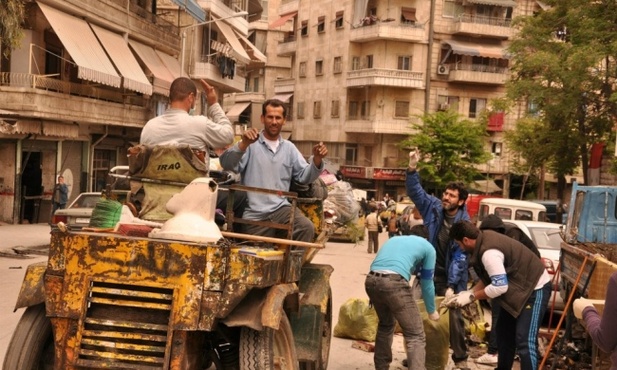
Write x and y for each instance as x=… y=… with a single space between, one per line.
x=520 y=334
x=303 y=228
x=492 y=339
x=457 y=326
x=373 y=241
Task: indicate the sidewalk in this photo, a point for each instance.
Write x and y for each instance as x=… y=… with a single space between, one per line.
x=23 y=236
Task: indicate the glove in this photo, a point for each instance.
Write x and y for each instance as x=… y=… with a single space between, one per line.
x=434 y=316
x=460 y=300
x=579 y=306
x=449 y=293
x=414 y=157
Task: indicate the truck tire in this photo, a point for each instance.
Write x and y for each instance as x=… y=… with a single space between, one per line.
x=32 y=344
x=268 y=349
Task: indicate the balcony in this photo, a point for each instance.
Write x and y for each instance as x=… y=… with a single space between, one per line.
x=220 y=10
x=288 y=6
x=372 y=126
x=385 y=77
x=210 y=71
x=287 y=85
x=389 y=31
x=35 y=96
x=478 y=73
x=287 y=47
x=474 y=25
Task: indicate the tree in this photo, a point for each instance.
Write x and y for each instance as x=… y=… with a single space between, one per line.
x=451 y=148
x=12 y=15
x=563 y=61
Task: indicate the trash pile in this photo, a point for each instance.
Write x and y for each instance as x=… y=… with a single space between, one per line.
x=341 y=203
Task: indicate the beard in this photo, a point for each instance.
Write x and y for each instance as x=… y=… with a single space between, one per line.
x=449 y=207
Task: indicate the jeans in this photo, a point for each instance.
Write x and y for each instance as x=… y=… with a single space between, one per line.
x=393 y=300
x=521 y=333
x=303 y=228
x=492 y=339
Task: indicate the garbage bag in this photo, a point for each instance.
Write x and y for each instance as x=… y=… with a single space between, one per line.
x=356 y=320
x=106 y=213
x=437 y=337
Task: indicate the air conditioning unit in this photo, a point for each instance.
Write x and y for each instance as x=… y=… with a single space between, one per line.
x=443 y=69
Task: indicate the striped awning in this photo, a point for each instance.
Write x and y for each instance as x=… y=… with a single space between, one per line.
x=118 y=50
x=252 y=51
x=162 y=77
x=236 y=110
x=466 y=48
x=238 y=50
x=193 y=8
x=83 y=47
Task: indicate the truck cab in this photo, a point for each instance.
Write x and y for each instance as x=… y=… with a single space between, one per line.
x=511 y=209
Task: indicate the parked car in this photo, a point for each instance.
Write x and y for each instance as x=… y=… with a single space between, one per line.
x=511 y=209
x=547 y=236
x=78 y=213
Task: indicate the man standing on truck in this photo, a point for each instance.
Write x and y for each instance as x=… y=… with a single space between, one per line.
x=451 y=274
x=266 y=160
x=178 y=126
x=387 y=285
x=514 y=277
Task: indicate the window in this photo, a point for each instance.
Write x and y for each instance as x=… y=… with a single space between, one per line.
x=408 y=16
x=337 y=65
x=304 y=28
x=319 y=68
x=533 y=108
x=369 y=61
x=351 y=154
x=206 y=49
x=264 y=15
x=401 y=109
x=339 y=21
x=256 y=84
x=300 y=109
x=447 y=102
x=334 y=111
x=321 y=24
x=302 y=69
x=476 y=106
x=404 y=63
x=355 y=63
x=317 y=109
x=353 y=110
x=451 y=8
x=496 y=149
x=365 y=109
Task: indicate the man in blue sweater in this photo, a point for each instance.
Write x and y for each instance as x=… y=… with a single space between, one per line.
x=451 y=274
x=387 y=285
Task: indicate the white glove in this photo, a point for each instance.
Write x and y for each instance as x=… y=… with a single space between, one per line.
x=449 y=293
x=434 y=316
x=414 y=157
x=579 y=306
x=460 y=300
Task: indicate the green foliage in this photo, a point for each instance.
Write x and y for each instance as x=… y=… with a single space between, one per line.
x=11 y=19
x=451 y=148
x=563 y=60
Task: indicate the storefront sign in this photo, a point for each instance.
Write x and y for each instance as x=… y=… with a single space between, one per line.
x=353 y=172
x=389 y=174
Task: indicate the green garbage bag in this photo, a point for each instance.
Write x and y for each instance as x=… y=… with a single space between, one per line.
x=356 y=320
x=106 y=213
x=437 y=337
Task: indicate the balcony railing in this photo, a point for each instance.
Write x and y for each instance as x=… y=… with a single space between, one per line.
x=287 y=47
x=468 y=24
x=64 y=87
x=478 y=73
x=288 y=6
x=385 y=77
x=372 y=125
x=401 y=31
x=209 y=69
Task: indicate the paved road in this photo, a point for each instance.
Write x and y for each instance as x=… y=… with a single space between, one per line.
x=350 y=262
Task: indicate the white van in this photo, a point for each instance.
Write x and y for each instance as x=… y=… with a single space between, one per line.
x=511 y=209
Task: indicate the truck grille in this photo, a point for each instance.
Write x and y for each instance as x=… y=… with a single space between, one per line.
x=126 y=327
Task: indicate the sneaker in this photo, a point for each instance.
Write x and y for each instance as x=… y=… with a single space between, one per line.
x=487 y=359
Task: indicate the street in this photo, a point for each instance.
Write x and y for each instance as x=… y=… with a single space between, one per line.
x=351 y=264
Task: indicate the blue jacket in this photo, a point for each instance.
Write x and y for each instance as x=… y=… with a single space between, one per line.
x=431 y=209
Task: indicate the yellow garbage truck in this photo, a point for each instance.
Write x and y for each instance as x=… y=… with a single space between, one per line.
x=110 y=300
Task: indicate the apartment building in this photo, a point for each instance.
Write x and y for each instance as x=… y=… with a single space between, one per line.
x=90 y=73
x=363 y=70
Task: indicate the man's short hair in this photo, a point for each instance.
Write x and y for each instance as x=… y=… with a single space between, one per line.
x=274 y=103
x=462 y=190
x=419 y=230
x=181 y=88
x=464 y=229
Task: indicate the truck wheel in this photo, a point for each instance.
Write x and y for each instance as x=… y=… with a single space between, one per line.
x=32 y=344
x=326 y=339
x=268 y=349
